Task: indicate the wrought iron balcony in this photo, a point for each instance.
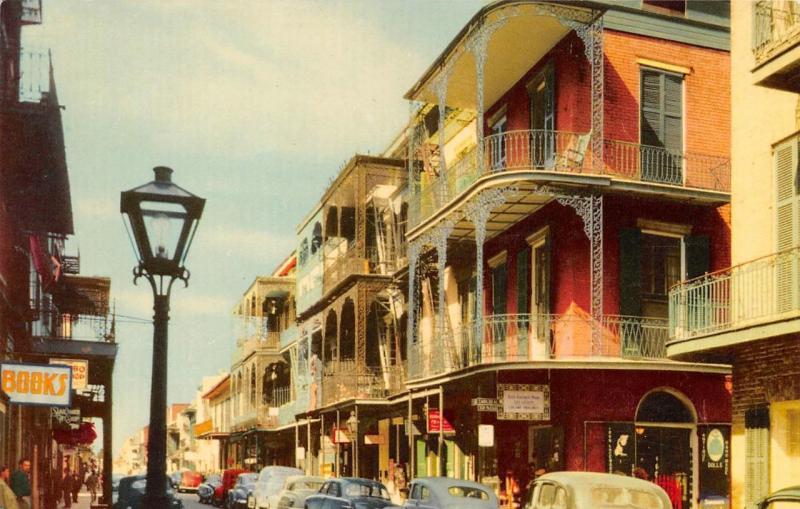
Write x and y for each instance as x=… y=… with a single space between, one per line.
x=341 y=265
x=566 y=153
x=776 y=28
x=525 y=338
x=758 y=292
x=343 y=380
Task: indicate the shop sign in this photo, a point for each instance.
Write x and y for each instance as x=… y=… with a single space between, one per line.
x=485 y=404
x=486 y=435
x=523 y=402
x=437 y=422
x=250 y=461
x=300 y=453
x=327 y=469
x=373 y=440
x=715 y=462
x=37 y=384
x=65 y=418
x=80 y=371
x=414 y=429
x=340 y=436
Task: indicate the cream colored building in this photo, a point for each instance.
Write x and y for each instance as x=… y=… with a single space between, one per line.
x=749 y=314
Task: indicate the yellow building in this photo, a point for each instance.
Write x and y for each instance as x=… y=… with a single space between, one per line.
x=749 y=314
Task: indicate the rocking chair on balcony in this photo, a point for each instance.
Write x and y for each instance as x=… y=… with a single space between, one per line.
x=571 y=158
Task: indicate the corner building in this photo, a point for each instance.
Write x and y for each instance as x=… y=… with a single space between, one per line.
x=567 y=165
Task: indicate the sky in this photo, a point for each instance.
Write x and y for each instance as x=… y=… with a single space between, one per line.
x=255 y=105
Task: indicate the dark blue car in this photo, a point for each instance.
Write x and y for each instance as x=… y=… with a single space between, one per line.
x=131 y=491
x=349 y=492
x=237 y=496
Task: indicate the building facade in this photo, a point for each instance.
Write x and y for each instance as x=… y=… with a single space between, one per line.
x=746 y=314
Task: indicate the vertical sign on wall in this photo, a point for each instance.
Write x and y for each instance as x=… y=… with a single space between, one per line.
x=620 y=439
x=715 y=463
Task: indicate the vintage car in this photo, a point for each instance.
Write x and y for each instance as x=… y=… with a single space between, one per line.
x=447 y=493
x=240 y=492
x=589 y=490
x=271 y=481
x=349 y=492
x=228 y=480
x=131 y=491
x=190 y=481
x=297 y=489
x=787 y=497
x=205 y=492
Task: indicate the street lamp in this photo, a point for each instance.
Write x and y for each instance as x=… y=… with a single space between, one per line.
x=162 y=219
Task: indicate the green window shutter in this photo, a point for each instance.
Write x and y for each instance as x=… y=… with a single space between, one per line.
x=652 y=131
x=661 y=126
x=697 y=256
x=499 y=289
x=523 y=281
x=787 y=235
x=630 y=272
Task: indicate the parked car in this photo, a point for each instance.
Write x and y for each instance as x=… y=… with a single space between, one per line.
x=239 y=493
x=348 y=492
x=205 y=492
x=228 y=480
x=131 y=491
x=588 y=490
x=268 y=488
x=175 y=479
x=447 y=493
x=297 y=489
x=787 y=497
x=190 y=481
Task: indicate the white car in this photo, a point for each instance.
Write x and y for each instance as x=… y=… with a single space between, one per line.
x=269 y=485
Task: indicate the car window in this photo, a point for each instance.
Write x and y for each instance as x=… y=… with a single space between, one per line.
x=545 y=496
x=415 y=491
x=333 y=490
x=467 y=492
x=644 y=500
x=323 y=488
x=366 y=490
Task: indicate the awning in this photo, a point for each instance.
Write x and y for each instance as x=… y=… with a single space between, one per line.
x=276 y=294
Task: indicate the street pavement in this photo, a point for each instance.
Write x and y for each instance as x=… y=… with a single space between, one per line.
x=190 y=501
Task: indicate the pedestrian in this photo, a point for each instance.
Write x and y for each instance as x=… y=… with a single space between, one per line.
x=21 y=483
x=8 y=500
x=78 y=481
x=67 y=486
x=91 y=484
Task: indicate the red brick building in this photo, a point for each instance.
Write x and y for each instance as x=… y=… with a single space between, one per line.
x=541 y=255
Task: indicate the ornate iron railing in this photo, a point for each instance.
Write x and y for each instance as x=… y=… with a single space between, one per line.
x=756 y=292
x=340 y=267
x=566 y=152
x=776 y=27
x=344 y=379
x=524 y=337
x=381 y=261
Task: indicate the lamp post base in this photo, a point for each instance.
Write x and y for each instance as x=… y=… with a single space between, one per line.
x=156 y=502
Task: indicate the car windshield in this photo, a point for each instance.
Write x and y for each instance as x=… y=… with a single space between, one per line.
x=248 y=479
x=467 y=492
x=305 y=485
x=608 y=496
x=366 y=490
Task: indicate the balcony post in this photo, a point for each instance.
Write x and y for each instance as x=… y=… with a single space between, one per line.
x=441 y=234
x=597 y=94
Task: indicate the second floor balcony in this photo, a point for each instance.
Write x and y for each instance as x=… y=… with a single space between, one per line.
x=527 y=338
x=776 y=43
x=756 y=299
x=343 y=380
x=546 y=156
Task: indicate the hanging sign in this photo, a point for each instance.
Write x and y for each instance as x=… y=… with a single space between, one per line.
x=80 y=371
x=37 y=384
x=437 y=422
x=485 y=404
x=715 y=463
x=523 y=402
x=65 y=418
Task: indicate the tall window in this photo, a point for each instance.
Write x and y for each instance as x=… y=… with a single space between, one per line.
x=543 y=114
x=661 y=126
x=786 y=162
x=497 y=146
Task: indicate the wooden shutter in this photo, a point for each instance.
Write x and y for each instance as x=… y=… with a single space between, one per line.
x=785 y=161
x=661 y=126
x=523 y=281
x=756 y=482
x=630 y=272
x=499 y=297
x=697 y=256
x=542 y=298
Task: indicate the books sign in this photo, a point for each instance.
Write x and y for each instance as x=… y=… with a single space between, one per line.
x=525 y=402
x=437 y=422
x=37 y=384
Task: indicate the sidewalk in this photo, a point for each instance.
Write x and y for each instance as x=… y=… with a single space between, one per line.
x=84 y=501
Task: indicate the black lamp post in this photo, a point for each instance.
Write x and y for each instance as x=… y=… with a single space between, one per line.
x=162 y=220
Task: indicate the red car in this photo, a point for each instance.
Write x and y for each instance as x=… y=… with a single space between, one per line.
x=190 y=481
x=228 y=480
